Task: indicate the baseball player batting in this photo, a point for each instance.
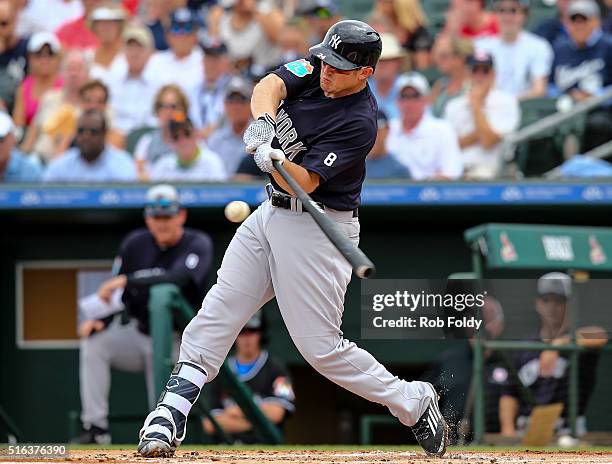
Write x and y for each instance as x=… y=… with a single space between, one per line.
x=318 y=117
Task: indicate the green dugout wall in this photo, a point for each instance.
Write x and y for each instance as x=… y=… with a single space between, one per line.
x=39 y=385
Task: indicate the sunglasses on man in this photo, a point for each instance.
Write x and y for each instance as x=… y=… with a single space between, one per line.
x=89 y=130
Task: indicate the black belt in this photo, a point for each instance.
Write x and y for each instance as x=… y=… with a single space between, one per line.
x=280 y=200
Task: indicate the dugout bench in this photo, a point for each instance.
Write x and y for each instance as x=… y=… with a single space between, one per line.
x=496 y=247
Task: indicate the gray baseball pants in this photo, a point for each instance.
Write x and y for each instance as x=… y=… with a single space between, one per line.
x=282 y=253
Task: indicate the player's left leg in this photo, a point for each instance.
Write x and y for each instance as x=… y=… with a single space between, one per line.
x=310 y=279
x=243 y=286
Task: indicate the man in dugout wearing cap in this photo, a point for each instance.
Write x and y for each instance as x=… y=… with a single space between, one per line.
x=163 y=252
x=546 y=373
x=266 y=378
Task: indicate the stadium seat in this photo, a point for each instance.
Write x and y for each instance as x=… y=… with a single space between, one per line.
x=538 y=155
x=436 y=11
x=538 y=11
x=133 y=137
x=356 y=9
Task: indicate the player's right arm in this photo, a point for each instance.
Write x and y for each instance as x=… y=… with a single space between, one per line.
x=267 y=96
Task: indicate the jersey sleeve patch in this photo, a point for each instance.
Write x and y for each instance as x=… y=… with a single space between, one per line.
x=300 y=68
x=283 y=389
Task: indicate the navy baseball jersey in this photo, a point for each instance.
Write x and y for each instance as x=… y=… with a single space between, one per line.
x=267 y=379
x=553 y=389
x=328 y=136
x=145 y=263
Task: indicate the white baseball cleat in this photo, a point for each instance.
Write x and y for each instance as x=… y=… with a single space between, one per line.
x=158 y=435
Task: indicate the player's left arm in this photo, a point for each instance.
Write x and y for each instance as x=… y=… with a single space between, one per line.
x=308 y=180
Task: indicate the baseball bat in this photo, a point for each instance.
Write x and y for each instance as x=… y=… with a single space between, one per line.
x=362 y=266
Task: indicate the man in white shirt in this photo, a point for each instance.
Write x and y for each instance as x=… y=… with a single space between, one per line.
x=482 y=117
x=207 y=103
x=133 y=91
x=426 y=145
x=182 y=63
x=192 y=161
x=522 y=59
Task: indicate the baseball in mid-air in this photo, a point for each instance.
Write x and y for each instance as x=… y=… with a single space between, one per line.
x=237 y=211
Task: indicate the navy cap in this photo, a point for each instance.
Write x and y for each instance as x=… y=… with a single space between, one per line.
x=184 y=21
x=162 y=200
x=480 y=57
x=213 y=47
x=179 y=121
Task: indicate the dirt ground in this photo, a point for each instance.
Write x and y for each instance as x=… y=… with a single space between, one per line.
x=333 y=457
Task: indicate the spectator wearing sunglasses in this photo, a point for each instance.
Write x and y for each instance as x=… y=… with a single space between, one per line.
x=582 y=67
x=522 y=59
x=15 y=166
x=227 y=141
x=425 y=145
x=43 y=76
x=192 y=160
x=158 y=143
x=481 y=118
x=92 y=160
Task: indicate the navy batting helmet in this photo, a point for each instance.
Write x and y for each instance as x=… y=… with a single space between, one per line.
x=349 y=45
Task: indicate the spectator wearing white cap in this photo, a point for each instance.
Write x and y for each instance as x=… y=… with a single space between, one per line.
x=107 y=23
x=379 y=163
x=75 y=33
x=132 y=91
x=522 y=59
x=182 y=63
x=14 y=165
x=43 y=75
x=384 y=81
x=481 y=118
x=426 y=145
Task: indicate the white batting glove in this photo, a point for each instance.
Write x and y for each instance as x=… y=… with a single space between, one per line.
x=260 y=132
x=264 y=156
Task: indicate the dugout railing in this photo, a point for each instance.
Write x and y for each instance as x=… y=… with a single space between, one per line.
x=168 y=305
x=554 y=128
x=498 y=247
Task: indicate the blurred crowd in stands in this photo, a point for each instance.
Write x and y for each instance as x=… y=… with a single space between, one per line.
x=159 y=90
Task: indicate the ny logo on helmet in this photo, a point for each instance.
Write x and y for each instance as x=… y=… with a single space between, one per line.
x=335 y=41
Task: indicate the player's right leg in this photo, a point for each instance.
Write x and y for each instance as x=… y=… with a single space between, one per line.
x=310 y=278
x=243 y=286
